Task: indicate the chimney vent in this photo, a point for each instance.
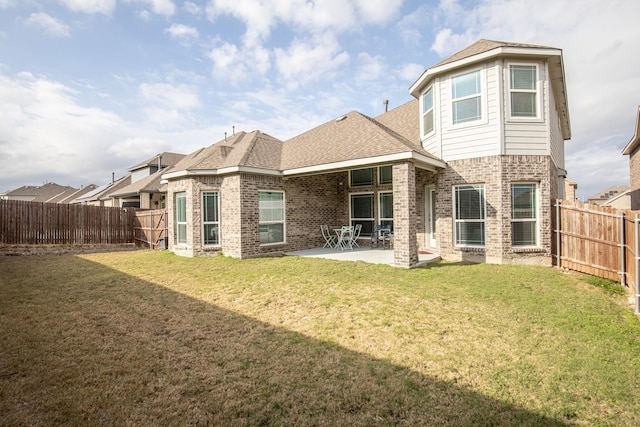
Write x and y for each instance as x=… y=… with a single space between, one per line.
x=386 y=105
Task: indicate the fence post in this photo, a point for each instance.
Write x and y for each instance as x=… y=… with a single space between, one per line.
x=636 y=257
x=623 y=244
x=558 y=253
x=150 y=229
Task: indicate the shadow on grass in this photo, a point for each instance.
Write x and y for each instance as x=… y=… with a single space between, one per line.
x=91 y=345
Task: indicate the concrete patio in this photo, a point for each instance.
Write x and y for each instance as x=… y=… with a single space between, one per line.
x=365 y=254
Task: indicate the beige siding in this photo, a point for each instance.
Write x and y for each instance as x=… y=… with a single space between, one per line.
x=477 y=140
x=525 y=136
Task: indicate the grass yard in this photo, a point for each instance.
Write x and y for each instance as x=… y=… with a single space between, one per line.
x=148 y=338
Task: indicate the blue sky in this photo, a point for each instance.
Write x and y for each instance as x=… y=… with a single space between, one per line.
x=91 y=87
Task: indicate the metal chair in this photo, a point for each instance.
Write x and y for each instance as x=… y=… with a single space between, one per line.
x=329 y=239
x=345 y=238
x=356 y=233
x=382 y=235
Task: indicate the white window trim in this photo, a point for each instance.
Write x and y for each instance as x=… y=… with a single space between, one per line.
x=536 y=220
x=423 y=113
x=538 y=117
x=211 y=222
x=283 y=221
x=456 y=220
x=380 y=217
x=178 y=223
x=483 y=100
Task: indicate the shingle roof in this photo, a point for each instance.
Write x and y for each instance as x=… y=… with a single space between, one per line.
x=254 y=149
x=167 y=159
x=40 y=192
x=148 y=184
x=482 y=46
x=404 y=119
x=349 y=137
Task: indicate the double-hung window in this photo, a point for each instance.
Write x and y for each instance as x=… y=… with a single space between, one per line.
x=466 y=95
x=524 y=214
x=469 y=210
x=210 y=218
x=428 y=122
x=271 y=216
x=181 y=217
x=523 y=89
x=361 y=211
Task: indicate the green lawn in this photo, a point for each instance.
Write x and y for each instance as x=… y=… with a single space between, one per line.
x=149 y=338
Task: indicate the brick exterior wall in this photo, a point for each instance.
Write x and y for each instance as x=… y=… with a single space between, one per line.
x=405 y=250
x=497 y=173
x=634 y=173
x=311 y=201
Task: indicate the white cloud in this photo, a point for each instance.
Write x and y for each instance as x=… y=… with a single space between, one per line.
x=169 y=106
x=378 y=11
x=138 y=149
x=370 y=67
x=51 y=25
x=192 y=8
x=7 y=3
x=90 y=6
x=181 y=97
x=410 y=72
x=310 y=60
x=45 y=133
x=237 y=64
x=159 y=7
x=183 y=33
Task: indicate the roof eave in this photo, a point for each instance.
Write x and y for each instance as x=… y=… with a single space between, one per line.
x=428 y=74
x=422 y=161
x=635 y=141
x=221 y=171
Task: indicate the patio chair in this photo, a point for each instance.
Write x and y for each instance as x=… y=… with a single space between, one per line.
x=382 y=235
x=356 y=233
x=344 y=239
x=329 y=239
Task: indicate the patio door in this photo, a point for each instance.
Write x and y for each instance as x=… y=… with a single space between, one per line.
x=430 y=216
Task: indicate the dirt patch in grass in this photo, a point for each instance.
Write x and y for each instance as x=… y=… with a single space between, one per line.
x=20 y=250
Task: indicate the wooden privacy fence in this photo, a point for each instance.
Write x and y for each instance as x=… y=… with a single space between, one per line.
x=24 y=222
x=599 y=240
x=151 y=229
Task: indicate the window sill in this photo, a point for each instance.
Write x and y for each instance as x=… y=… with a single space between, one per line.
x=471 y=248
x=527 y=249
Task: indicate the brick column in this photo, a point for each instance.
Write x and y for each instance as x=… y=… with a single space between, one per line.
x=405 y=248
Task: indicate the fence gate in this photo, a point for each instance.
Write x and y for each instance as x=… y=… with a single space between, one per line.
x=150 y=229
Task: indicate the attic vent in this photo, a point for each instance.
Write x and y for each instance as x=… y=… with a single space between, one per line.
x=339 y=119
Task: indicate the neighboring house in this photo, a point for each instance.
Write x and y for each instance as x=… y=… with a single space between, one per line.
x=140 y=188
x=622 y=200
x=144 y=189
x=47 y=193
x=603 y=196
x=632 y=150
x=468 y=169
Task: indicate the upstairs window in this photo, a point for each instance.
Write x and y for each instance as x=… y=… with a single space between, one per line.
x=523 y=88
x=427 y=112
x=466 y=93
x=469 y=203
